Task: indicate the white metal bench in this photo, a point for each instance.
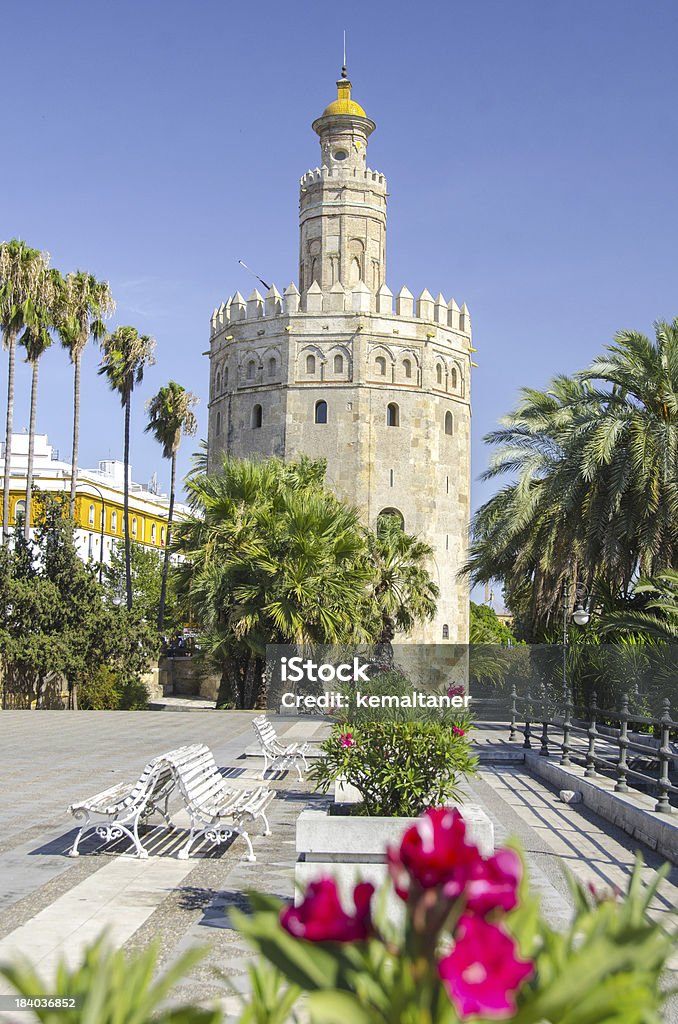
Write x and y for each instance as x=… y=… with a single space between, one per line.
x=210 y=801
x=117 y=811
x=279 y=756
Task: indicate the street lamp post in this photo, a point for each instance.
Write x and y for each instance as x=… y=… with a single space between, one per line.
x=94 y=487
x=580 y=615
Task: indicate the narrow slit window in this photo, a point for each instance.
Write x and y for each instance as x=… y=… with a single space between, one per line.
x=257 y=417
x=392 y=415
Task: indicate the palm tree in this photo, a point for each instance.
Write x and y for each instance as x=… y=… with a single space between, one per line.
x=271 y=557
x=170 y=414
x=36 y=338
x=595 y=491
x=402 y=591
x=85 y=304
x=23 y=283
x=126 y=353
x=657 y=619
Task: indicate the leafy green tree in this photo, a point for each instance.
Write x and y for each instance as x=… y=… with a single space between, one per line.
x=170 y=414
x=55 y=617
x=147 y=577
x=485 y=627
x=24 y=285
x=126 y=354
x=657 y=616
x=84 y=305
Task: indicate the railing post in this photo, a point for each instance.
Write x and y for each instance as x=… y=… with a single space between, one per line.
x=544 y=748
x=567 y=726
x=593 y=734
x=663 y=806
x=513 y=734
x=623 y=742
x=528 y=713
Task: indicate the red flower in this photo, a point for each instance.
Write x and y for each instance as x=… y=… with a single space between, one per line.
x=494 y=883
x=482 y=973
x=321 y=917
x=456 y=691
x=434 y=852
x=457 y=731
x=347 y=739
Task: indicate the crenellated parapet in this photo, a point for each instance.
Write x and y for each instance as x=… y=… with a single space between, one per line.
x=437 y=312
x=320 y=174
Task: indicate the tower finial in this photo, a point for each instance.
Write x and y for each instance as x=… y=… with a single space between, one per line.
x=343 y=67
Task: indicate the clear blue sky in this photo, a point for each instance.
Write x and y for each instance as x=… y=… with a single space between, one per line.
x=531 y=150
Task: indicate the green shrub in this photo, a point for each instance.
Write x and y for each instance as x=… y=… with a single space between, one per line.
x=106 y=690
x=399 y=768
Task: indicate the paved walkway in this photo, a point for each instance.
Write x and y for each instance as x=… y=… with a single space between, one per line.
x=50 y=904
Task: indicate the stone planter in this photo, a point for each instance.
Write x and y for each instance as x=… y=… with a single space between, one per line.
x=351 y=848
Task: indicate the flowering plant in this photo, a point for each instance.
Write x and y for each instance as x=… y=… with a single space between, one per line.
x=472 y=945
x=399 y=768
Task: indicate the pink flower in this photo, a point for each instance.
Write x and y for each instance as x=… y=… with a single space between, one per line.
x=494 y=883
x=347 y=739
x=482 y=973
x=321 y=917
x=456 y=691
x=434 y=852
x=457 y=731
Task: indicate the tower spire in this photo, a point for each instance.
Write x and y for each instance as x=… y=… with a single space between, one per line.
x=343 y=66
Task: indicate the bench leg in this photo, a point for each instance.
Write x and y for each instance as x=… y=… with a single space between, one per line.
x=74 y=852
x=267 y=827
x=185 y=850
x=250 y=854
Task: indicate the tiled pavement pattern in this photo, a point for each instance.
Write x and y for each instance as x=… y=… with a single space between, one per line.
x=49 y=902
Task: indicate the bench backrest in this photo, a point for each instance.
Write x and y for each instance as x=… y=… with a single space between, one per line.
x=196 y=771
x=265 y=732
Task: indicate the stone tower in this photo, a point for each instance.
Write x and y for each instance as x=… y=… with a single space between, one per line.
x=331 y=369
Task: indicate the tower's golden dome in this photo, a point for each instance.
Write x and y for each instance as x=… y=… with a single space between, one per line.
x=343 y=103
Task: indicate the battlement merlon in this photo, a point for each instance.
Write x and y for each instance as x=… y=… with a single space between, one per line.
x=342 y=174
x=356 y=301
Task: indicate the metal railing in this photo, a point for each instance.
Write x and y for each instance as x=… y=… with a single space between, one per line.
x=597 y=739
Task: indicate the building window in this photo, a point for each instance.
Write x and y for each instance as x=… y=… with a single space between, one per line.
x=310 y=364
x=162 y=535
x=225 y=376
x=218 y=427
x=114 y=522
x=392 y=415
x=388 y=515
x=251 y=369
x=91 y=515
x=381 y=366
x=19 y=509
x=391 y=478
x=153 y=533
x=271 y=366
x=217 y=383
x=439 y=374
x=407 y=367
x=446 y=632
x=134 y=526
x=257 y=417
x=453 y=378
x=338 y=364
x=321 y=412
x=449 y=424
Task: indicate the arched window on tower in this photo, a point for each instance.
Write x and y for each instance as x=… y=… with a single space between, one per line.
x=453 y=378
x=272 y=366
x=321 y=412
x=392 y=415
x=338 y=364
x=389 y=515
x=439 y=374
x=225 y=376
x=380 y=363
x=310 y=364
x=449 y=423
x=446 y=632
x=251 y=369
x=407 y=368
x=356 y=271
x=257 y=417
x=217 y=429
x=217 y=383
